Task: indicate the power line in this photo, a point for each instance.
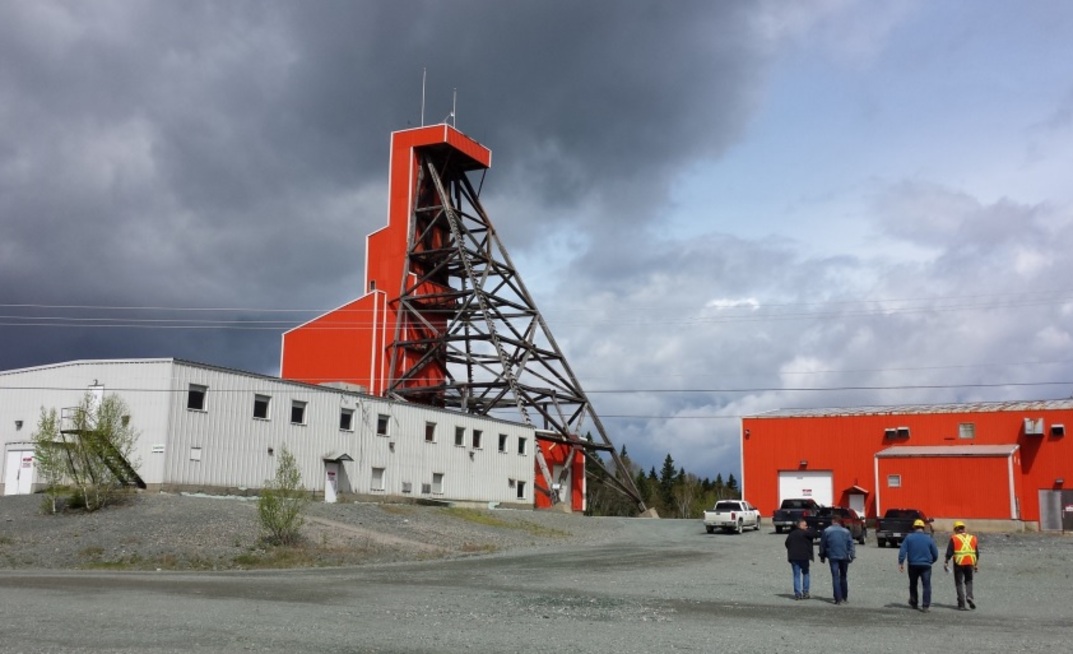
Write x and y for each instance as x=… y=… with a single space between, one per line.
x=651 y=391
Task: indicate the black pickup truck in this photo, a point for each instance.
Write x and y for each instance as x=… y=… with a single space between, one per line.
x=790 y=512
x=896 y=523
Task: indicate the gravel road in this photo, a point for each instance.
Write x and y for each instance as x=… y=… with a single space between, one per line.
x=611 y=584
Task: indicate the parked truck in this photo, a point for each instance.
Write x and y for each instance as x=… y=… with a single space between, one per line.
x=897 y=523
x=732 y=515
x=791 y=511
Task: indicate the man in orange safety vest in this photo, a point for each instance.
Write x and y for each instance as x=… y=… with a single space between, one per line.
x=965 y=551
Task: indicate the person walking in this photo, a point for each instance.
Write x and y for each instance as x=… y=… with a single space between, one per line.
x=964 y=549
x=800 y=553
x=836 y=546
x=919 y=550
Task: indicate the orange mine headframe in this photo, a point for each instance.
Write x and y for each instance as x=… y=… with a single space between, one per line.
x=353 y=343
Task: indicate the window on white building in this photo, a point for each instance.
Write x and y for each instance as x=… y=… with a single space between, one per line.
x=520 y=487
x=523 y=445
x=477 y=433
x=195 y=397
x=261 y=403
x=460 y=436
x=346 y=419
x=430 y=432
x=377 y=483
x=437 y=483
x=383 y=422
x=298 y=412
x=502 y=442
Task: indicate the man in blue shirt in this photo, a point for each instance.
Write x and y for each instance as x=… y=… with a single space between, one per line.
x=920 y=551
x=836 y=545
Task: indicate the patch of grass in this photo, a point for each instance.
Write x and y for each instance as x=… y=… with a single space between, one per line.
x=278 y=558
x=6 y=540
x=477 y=517
x=488 y=519
x=91 y=552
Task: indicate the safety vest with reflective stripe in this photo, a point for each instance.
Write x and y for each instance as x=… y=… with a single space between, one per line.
x=964 y=549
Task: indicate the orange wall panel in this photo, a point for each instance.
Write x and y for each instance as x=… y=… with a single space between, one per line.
x=949 y=486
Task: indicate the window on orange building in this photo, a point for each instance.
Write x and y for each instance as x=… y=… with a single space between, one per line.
x=894 y=481
x=967 y=430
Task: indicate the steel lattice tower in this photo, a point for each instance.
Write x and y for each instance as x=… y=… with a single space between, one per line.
x=463 y=332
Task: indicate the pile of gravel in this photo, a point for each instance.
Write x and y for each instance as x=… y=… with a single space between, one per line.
x=156 y=531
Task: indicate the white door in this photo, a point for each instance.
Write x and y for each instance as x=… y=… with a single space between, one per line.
x=19 y=473
x=816 y=484
x=331 y=481
x=856 y=502
x=561 y=487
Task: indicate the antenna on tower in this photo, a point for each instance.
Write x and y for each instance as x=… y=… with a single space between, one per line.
x=450 y=119
x=424 y=74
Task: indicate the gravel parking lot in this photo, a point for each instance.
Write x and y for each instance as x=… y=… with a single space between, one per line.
x=634 y=586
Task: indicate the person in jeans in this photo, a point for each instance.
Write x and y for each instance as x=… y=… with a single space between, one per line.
x=964 y=549
x=836 y=546
x=921 y=553
x=800 y=553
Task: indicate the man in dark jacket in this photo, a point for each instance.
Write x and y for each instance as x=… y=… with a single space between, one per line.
x=920 y=551
x=800 y=554
x=836 y=545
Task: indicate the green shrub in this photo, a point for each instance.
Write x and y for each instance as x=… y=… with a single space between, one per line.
x=281 y=503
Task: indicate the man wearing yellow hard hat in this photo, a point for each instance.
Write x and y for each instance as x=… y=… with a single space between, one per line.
x=919 y=550
x=965 y=551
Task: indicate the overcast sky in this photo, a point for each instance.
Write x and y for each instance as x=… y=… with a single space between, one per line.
x=745 y=206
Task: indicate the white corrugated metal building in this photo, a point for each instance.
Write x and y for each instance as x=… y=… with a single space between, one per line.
x=217 y=430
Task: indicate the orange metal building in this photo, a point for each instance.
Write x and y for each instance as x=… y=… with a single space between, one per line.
x=354 y=343
x=1006 y=462
x=351 y=343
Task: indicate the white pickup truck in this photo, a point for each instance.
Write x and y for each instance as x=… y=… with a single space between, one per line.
x=732 y=515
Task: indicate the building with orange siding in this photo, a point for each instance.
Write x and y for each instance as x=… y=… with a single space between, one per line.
x=1003 y=463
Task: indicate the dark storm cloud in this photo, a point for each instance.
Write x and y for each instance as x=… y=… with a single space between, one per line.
x=232 y=154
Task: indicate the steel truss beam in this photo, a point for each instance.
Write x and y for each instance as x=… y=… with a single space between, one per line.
x=468 y=335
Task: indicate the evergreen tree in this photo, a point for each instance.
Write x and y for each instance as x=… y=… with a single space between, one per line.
x=732 y=487
x=666 y=485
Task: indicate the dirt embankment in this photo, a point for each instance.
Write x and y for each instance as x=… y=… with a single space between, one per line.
x=177 y=532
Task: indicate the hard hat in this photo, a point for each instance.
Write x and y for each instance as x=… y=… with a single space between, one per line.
x=959 y=524
x=918 y=523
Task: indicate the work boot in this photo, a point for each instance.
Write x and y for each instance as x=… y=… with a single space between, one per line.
x=972 y=605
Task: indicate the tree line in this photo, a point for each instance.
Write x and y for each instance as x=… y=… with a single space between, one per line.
x=672 y=492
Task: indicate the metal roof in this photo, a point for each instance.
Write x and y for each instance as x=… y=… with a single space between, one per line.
x=972 y=407
x=946 y=450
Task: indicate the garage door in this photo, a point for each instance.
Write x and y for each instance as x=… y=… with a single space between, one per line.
x=801 y=483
